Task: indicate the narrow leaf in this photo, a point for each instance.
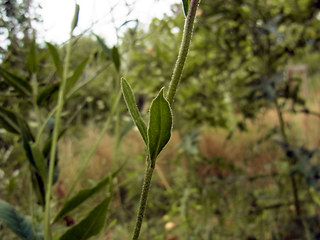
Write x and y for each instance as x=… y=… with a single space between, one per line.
x=17 y=223
x=133 y=109
x=56 y=59
x=27 y=138
x=160 y=124
x=8 y=121
x=83 y=195
x=76 y=74
x=24 y=129
x=20 y=85
x=116 y=58
x=75 y=17
x=47 y=93
x=38 y=187
x=39 y=161
x=32 y=62
x=15 y=124
x=91 y=225
x=315 y=195
x=186 y=4
x=36 y=178
x=104 y=47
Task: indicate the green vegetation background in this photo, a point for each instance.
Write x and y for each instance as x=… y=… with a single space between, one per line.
x=243 y=161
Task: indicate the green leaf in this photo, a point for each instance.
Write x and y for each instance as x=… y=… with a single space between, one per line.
x=8 y=120
x=47 y=93
x=91 y=225
x=39 y=161
x=36 y=178
x=15 y=124
x=83 y=195
x=38 y=187
x=75 y=17
x=17 y=223
x=133 y=109
x=104 y=47
x=25 y=131
x=315 y=195
x=186 y=4
x=76 y=74
x=20 y=85
x=38 y=171
x=32 y=62
x=21 y=127
x=116 y=58
x=56 y=59
x=160 y=124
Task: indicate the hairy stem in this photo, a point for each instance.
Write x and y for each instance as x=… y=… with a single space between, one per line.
x=183 y=52
x=143 y=199
x=176 y=76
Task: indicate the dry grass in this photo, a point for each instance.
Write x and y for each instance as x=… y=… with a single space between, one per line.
x=72 y=151
x=241 y=150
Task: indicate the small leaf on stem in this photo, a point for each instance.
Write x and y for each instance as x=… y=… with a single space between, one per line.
x=186 y=4
x=56 y=58
x=19 y=84
x=133 y=109
x=75 y=17
x=32 y=61
x=116 y=58
x=160 y=124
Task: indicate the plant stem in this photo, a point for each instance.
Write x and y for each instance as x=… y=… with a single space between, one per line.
x=281 y=121
x=143 y=199
x=176 y=76
x=34 y=83
x=47 y=231
x=117 y=124
x=292 y=176
x=183 y=52
x=295 y=196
